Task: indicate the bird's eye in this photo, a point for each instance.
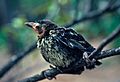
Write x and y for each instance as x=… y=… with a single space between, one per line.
x=37 y=27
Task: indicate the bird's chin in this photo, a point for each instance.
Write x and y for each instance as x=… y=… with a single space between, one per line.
x=41 y=32
x=40 y=35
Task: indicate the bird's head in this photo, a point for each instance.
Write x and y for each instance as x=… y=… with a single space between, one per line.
x=42 y=27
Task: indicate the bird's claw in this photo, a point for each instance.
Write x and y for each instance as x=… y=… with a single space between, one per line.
x=48 y=75
x=45 y=73
x=89 y=63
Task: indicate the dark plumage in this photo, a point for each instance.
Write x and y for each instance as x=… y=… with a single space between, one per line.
x=60 y=46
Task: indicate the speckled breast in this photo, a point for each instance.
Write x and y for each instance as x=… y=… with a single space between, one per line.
x=52 y=52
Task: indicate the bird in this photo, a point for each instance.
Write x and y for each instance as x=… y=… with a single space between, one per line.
x=62 y=47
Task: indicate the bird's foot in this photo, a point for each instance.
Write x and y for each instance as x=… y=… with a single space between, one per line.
x=90 y=64
x=46 y=74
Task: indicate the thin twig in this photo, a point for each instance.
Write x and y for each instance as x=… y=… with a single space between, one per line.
x=15 y=59
x=111 y=3
x=54 y=72
x=108 y=53
x=94 y=14
x=106 y=41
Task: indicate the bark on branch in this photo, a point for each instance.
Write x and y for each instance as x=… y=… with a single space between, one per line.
x=15 y=59
x=106 y=41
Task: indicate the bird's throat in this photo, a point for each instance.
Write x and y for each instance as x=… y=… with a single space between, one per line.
x=41 y=33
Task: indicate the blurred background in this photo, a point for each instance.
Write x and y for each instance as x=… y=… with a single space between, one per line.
x=15 y=37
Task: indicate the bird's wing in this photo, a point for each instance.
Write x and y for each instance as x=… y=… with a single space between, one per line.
x=74 y=40
x=71 y=43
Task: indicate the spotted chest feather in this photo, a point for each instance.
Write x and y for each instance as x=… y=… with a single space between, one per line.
x=51 y=50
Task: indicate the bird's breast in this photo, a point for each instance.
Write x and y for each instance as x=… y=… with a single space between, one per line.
x=51 y=51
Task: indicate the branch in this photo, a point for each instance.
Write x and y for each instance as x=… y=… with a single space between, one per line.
x=15 y=59
x=106 y=41
x=108 y=53
x=95 y=14
x=54 y=72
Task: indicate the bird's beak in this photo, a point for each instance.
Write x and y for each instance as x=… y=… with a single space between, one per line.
x=36 y=28
x=30 y=24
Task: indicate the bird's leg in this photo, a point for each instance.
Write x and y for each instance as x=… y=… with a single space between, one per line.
x=90 y=64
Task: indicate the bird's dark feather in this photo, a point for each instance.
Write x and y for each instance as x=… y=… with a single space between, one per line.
x=74 y=40
x=66 y=48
